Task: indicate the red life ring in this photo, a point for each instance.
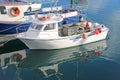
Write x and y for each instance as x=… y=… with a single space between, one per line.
x=15 y=11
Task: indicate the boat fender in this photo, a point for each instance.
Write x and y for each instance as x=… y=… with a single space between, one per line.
x=96 y=53
x=96 y=31
x=84 y=36
x=15 y=11
x=99 y=30
x=102 y=26
x=87 y=25
x=67 y=11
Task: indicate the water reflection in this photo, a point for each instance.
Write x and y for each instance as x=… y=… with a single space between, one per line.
x=46 y=64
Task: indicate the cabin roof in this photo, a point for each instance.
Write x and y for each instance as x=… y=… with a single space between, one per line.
x=50 y=21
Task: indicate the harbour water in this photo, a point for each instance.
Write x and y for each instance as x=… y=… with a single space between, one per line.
x=94 y=61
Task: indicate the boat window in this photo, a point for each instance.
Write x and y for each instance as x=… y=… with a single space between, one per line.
x=3 y=10
x=32 y=26
x=38 y=27
x=50 y=27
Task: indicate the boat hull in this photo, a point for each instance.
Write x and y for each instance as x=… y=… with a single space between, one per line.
x=12 y=28
x=63 y=42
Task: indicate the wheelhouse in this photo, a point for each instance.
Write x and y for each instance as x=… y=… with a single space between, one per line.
x=43 y=27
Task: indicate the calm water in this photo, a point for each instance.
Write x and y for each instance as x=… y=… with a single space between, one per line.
x=95 y=61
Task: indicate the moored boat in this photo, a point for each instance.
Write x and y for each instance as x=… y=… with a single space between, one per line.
x=14 y=14
x=47 y=63
x=46 y=33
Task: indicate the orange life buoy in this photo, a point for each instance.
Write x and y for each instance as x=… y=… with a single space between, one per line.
x=44 y=18
x=17 y=57
x=15 y=11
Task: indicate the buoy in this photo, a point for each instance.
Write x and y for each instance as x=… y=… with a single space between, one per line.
x=96 y=53
x=84 y=36
x=102 y=26
x=15 y=11
x=17 y=57
x=96 y=31
x=67 y=11
x=87 y=25
x=99 y=30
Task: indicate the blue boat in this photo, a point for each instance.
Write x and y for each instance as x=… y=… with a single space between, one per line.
x=16 y=13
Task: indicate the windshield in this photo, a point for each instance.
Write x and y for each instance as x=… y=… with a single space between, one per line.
x=49 y=27
x=36 y=26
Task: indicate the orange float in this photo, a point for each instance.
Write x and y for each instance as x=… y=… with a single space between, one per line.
x=17 y=57
x=15 y=11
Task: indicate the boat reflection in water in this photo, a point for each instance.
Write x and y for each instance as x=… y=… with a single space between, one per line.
x=8 y=64
x=11 y=58
x=48 y=64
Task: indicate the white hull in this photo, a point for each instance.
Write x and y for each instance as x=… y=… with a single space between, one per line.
x=63 y=42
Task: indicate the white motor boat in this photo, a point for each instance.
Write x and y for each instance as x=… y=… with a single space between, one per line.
x=45 y=33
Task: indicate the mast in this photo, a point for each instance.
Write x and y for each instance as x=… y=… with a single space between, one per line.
x=72 y=3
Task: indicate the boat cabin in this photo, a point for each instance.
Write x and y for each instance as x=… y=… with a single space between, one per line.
x=50 y=27
x=44 y=28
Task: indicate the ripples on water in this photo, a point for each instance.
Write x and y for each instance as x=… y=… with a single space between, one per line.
x=108 y=13
x=95 y=61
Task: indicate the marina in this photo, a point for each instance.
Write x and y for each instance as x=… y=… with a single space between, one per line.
x=97 y=59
